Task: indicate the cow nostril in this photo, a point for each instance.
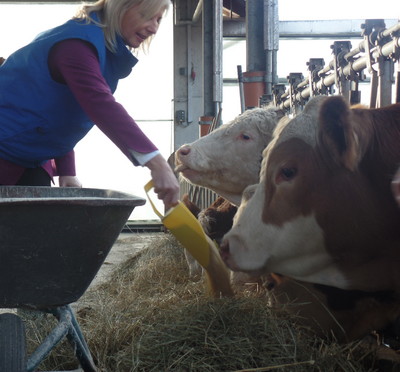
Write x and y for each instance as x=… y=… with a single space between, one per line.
x=224 y=249
x=184 y=150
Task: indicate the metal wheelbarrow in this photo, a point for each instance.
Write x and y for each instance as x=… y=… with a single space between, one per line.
x=53 y=241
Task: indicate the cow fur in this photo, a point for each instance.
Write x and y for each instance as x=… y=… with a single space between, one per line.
x=324 y=214
x=228 y=159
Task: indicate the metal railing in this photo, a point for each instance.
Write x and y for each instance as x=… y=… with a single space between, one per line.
x=377 y=53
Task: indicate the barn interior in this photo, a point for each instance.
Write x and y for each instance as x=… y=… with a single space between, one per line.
x=200 y=29
x=203 y=32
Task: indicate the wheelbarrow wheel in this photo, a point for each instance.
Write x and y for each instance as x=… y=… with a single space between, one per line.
x=12 y=343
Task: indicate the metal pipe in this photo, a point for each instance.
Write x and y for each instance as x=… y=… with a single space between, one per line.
x=52 y=339
x=217 y=48
x=268 y=72
x=188 y=68
x=355 y=66
x=275 y=78
x=255 y=56
x=271 y=43
x=208 y=56
x=197 y=12
x=241 y=89
x=385 y=80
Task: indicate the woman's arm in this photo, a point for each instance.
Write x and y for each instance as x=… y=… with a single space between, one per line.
x=74 y=62
x=64 y=168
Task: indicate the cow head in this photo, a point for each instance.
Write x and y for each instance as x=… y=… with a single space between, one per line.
x=229 y=158
x=323 y=211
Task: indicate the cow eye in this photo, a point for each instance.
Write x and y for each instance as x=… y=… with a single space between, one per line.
x=288 y=173
x=245 y=137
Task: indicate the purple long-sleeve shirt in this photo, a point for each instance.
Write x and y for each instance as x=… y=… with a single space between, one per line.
x=74 y=62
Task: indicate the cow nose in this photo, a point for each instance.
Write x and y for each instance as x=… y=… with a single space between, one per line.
x=224 y=250
x=184 y=150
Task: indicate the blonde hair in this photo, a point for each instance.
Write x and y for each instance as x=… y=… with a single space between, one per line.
x=111 y=13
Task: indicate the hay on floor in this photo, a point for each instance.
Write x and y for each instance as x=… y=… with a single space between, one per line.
x=149 y=316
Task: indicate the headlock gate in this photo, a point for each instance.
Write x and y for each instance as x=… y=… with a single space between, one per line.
x=378 y=53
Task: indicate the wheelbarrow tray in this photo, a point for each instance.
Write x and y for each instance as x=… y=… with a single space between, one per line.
x=54 y=240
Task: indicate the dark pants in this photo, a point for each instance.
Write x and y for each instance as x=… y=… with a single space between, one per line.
x=34 y=177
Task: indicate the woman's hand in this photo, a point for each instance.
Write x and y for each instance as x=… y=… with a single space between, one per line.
x=69 y=181
x=166 y=185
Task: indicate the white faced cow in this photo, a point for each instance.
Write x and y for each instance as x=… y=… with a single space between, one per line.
x=347 y=314
x=228 y=159
x=323 y=211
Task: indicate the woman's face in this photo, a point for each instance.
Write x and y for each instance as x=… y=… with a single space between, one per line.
x=135 y=28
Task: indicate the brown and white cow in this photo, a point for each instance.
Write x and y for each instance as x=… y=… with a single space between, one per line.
x=324 y=215
x=323 y=211
x=229 y=158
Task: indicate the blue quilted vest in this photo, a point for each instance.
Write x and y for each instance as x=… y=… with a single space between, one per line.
x=39 y=118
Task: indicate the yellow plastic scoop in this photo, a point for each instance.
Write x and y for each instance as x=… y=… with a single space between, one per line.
x=186 y=229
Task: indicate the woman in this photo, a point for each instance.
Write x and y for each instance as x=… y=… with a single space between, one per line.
x=54 y=89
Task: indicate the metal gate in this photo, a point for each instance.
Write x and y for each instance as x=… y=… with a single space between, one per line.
x=377 y=54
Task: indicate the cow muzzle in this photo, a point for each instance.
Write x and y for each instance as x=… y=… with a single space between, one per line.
x=224 y=251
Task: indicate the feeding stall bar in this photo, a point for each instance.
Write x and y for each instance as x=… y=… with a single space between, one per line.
x=378 y=52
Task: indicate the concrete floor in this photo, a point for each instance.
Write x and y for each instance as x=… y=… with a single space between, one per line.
x=127 y=245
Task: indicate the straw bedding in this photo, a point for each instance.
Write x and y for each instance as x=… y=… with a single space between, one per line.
x=148 y=316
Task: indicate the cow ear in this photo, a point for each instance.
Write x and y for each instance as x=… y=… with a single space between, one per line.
x=280 y=114
x=267 y=125
x=336 y=133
